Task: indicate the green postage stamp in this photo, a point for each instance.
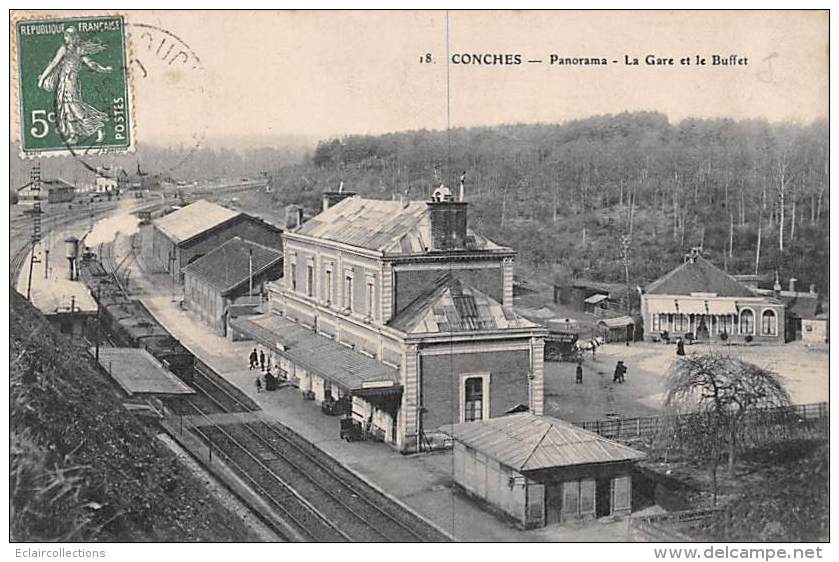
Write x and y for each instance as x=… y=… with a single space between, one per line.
x=74 y=90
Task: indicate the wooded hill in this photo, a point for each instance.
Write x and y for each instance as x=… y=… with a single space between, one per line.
x=754 y=195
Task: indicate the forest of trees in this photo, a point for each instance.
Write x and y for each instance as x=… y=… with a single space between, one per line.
x=575 y=198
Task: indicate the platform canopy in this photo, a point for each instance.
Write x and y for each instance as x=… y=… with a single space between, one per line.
x=526 y=442
x=136 y=371
x=348 y=368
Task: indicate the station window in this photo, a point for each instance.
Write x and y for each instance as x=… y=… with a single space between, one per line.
x=370 y=293
x=348 y=304
x=310 y=281
x=327 y=286
x=293 y=276
x=473 y=399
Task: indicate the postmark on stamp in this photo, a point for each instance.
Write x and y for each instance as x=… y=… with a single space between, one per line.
x=73 y=86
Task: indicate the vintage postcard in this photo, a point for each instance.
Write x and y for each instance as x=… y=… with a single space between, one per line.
x=420 y=276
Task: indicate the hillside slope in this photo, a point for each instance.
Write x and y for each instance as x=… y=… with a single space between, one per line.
x=82 y=467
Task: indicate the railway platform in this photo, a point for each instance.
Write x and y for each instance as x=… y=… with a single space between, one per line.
x=421 y=482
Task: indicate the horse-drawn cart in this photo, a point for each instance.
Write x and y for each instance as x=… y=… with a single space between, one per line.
x=562 y=346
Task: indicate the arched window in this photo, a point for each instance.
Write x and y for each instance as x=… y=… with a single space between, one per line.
x=747 y=322
x=769 y=323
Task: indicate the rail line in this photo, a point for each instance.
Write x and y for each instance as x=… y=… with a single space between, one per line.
x=307 y=520
x=330 y=487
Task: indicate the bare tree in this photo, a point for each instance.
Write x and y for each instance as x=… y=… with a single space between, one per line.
x=723 y=391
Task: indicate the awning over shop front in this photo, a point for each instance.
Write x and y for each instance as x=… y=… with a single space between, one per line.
x=349 y=369
x=594 y=299
x=721 y=307
x=714 y=307
x=690 y=307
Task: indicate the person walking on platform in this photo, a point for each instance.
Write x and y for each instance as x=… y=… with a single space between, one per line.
x=680 y=347
x=253 y=358
x=261 y=360
x=258 y=385
x=579 y=373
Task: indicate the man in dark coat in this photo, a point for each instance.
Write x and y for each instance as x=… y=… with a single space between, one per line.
x=253 y=358
x=579 y=372
x=680 y=347
x=261 y=360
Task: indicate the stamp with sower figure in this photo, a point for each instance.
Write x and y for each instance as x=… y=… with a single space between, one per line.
x=74 y=89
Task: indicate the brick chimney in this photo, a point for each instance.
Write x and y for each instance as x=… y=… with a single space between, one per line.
x=331 y=198
x=448 y=221
x=792 y=281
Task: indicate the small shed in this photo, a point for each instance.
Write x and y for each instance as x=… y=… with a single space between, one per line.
x=540 y=470
x=232 y=274
x=621 y=328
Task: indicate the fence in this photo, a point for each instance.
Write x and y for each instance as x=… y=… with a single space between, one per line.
x=796 y=421
x=668 y=527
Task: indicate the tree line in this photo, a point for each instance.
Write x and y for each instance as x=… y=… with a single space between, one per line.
x=599 y=196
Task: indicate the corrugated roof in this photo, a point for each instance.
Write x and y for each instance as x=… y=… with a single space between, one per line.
x=391 y=227
x=699 y=276
x=187 y=223
x=803 y=307
x=228 y=266
x=325 y=357
x=619 y=322
x=138 y=372
x=528 y=442
x=451 y=306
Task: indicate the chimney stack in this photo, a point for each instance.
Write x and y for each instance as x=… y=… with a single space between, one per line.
x=448 y=221
x=299 y=217
x=812 y=289
x=331 y=198
x=777 y=286
x=792 y=281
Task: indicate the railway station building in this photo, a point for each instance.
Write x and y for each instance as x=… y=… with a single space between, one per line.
x=700 y=299
x=538 y=470
x=234 y=274
x=182 y=237
x=404 y=312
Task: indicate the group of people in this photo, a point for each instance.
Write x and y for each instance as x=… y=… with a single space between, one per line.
x=618 y=377
x=258 y=360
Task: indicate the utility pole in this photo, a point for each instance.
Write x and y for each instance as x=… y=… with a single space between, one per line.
x=625 y=242
x=98 y=319
x=35 y=177
x=250 y=272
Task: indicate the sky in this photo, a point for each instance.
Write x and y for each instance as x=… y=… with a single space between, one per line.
x=256 y=77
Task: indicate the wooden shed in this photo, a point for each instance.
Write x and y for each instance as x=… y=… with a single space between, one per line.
x=539 y=470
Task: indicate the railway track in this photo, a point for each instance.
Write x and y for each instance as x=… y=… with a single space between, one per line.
x=272 y=451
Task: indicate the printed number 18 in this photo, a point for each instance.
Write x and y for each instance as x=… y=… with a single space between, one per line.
x=426 y=58
x=41 y=123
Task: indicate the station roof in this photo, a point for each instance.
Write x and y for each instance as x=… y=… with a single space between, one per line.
x=526 y=442
x=323 y=356
x=451 y=306
x=698 y=275
x=192 y=220
x=391 y=227
x=227 y=267
x=136 y=371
